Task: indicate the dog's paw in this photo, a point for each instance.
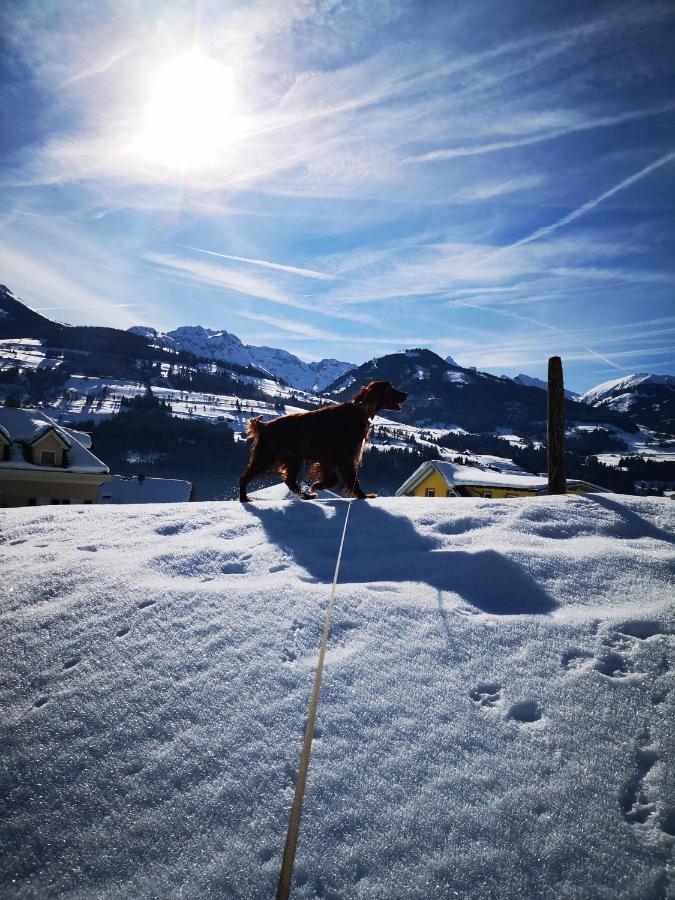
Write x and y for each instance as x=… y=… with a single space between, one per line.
x=309 y=495
x=370 y=495
x=245 y=500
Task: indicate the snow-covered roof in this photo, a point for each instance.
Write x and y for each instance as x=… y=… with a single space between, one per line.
x=456 y=475
x=137 y=489
x=25 y=426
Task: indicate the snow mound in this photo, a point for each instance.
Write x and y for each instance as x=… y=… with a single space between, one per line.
x=495 y=718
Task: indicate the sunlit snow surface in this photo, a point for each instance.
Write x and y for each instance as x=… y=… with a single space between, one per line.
x=495 y=720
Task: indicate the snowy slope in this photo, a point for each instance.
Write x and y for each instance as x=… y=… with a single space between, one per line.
x=226 y=347
x=495 y=720
x=623 y=385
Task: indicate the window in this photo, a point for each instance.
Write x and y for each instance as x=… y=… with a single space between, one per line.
x=448 y=493
x=486 y=494
x=429 y=492
x=48 y=458
x=512 y=495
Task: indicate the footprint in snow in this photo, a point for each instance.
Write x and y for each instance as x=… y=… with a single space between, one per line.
x=525 y=712
x=145 y=603
x=122 y=632
x=642 y=629
x=612 y=665
x=41 y=701
x=71 y=663
x=486 y=694
x=279 y=567
x=90 y=548
x=575 y=660
x=288 y=656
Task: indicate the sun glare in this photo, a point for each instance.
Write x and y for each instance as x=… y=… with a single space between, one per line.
x=189 y=117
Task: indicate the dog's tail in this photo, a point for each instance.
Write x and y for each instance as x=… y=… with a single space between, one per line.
x=254 y=428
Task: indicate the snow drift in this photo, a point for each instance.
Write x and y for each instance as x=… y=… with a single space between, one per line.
x=495 y=720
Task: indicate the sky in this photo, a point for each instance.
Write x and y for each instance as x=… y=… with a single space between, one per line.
x=494 y=181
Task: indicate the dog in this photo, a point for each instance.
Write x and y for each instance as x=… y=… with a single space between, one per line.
x=330 y=437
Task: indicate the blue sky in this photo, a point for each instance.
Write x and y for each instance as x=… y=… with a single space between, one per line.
x=494 y=181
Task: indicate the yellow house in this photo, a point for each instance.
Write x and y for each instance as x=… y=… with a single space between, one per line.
x=437 y=478
x=42 y=462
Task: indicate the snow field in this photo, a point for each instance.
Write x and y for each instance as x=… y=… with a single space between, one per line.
x=495 y=718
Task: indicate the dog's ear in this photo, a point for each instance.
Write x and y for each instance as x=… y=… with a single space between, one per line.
x=363 y=393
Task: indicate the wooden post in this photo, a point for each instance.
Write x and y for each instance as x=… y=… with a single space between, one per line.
x=556 y=428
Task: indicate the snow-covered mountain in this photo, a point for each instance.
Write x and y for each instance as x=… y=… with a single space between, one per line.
x=626 y=384
x=647 y=398
x=530 y=381
x=227 y=347
x=443 y=392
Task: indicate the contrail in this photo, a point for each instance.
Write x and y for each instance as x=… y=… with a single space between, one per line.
x=591 y=204
x=565 y=334
x=601 y=122
x=293 y=270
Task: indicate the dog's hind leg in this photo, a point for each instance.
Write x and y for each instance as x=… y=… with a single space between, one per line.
x=292 y=466
x=258 y=464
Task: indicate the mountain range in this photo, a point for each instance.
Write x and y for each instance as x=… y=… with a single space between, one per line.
x=440 y=391
x=223 y=346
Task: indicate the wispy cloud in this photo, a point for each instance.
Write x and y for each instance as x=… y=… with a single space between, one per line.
x=598 y=122
x=487 y=190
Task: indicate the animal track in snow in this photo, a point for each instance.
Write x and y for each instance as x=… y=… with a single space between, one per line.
x=612 y=665
x=297 y=626
x=641 y=629
x=486 y=693
x=575 y=660
x=145 y=603
x=41 y=701
x=525 y=711
x=71 y=663
x=122 y=632
x=288 y=656
x=634 y=801
x=176 y=528
x=90 y=548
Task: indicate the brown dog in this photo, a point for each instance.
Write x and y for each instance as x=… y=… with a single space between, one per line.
x=331 y=437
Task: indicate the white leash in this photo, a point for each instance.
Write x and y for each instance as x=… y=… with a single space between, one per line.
x=288 y=861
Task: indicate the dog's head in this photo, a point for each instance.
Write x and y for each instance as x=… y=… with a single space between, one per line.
x=379 y=395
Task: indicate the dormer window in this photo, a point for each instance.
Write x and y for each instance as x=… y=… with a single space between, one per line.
x=48 y=458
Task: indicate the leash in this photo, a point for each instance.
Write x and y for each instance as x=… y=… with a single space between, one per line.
x=288 y=861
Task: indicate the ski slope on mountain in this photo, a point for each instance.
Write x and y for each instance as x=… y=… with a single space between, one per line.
x=496 y=717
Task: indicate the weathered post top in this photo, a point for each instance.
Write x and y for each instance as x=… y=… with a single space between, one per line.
x=556 y=428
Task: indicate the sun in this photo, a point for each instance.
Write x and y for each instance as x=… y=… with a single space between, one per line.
x=189 y=118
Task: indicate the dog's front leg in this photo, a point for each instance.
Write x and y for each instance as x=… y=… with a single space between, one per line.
x=351 y=482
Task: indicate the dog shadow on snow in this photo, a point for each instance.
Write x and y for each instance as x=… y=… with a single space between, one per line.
x=380 y=547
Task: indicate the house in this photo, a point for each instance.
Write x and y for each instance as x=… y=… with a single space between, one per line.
x=41 y=462
x=139 y=489
x=437 y=478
